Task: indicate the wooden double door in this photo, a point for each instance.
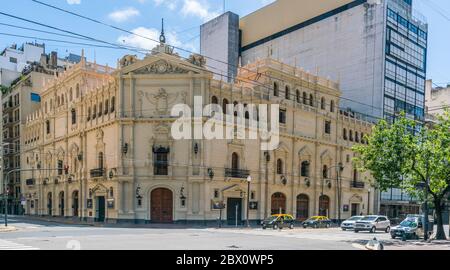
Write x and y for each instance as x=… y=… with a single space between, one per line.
x=161 y=205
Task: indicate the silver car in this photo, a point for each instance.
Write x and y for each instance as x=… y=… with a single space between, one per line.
x=373 y=223
x=349 y=224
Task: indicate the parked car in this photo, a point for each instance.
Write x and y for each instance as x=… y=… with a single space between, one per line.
x=279 y=221
x=411 y=228
x=373 y=223
x=349 y=224
x=317 y=222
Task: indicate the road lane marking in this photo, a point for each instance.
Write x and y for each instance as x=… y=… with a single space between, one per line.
x=8 y=245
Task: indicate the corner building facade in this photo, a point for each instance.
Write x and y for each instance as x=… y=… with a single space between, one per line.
x=101 y=147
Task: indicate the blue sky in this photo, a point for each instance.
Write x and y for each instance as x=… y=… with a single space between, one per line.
x=182 y=18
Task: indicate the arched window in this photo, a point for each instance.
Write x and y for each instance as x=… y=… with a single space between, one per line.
x=305 y=98
x=100 y=109
x=62 y=99
x=322 y=103
x=355 y=175
x=325 y=171
x=363 y=141
x=214 y=100
x=74 y=117
x=279 y=166
x=304 y=169
x=77 y=91
x=297 y=96
x=276 y=89
x=311 y=100
x=235 y=161
x=47 y=126
x=94 y=112
x=100 y=160
x=344 y=134
x=113 y=104
x=288 y=92
x=332 y=106
x=356 y=137
x=106 y=106
x=89 y=114
x=350 y=135
x=224 y=105
x=246 y=112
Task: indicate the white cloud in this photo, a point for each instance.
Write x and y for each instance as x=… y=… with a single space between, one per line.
x=124 y=14
x=73 y=2
x=150 y=42
x=170 y=4
x=198 y=9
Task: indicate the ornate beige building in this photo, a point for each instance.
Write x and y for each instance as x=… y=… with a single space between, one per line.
x=101 y=148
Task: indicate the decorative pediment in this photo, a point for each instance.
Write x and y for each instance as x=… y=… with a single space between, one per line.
x=161 y=67
x=325 y=156
x=305 y=152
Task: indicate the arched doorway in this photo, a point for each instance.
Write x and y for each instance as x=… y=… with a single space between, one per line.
x=324 y=205
x=161 y=205
x=302 y=207
x=49 y=204
x=61 y=203
x=75 y=202
x=278 y=203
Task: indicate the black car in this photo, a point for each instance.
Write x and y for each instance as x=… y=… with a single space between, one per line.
x=317 y=222
x=278 y=222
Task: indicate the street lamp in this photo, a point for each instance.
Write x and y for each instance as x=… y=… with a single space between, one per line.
x=249 y=180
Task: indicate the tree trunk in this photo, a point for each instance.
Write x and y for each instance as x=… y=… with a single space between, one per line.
x=440 y=233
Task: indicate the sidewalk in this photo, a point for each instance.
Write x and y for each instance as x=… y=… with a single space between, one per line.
x=7 y=229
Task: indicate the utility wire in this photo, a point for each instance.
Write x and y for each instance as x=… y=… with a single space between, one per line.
x=182 y=49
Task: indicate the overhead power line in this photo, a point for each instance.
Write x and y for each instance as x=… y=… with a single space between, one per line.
x=254 y=82
x=182 y=49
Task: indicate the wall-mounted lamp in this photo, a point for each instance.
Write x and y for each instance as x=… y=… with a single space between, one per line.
x=283 y=180
x=211 y=173
x=125 y=148
x=196 y=148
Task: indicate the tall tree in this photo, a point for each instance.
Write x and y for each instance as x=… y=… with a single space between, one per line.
x=398 y=155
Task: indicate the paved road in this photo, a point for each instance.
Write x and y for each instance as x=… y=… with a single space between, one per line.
x=48 y=235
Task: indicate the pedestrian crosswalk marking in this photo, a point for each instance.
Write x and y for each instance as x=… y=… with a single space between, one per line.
x=8 y=245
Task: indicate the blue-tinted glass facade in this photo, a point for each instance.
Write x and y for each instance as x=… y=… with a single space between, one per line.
x=405 y=67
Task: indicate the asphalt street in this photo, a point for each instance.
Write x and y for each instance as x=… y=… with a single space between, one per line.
x=32 y=234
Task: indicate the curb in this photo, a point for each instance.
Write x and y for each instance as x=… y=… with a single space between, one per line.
x=7 y=229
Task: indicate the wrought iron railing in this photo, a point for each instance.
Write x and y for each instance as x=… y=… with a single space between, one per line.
x=236 y=173
x=357 y=184
x=99 y=172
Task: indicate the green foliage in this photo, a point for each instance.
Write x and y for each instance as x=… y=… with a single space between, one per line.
x=416 y=162
x=397 y=157
x=4 y=89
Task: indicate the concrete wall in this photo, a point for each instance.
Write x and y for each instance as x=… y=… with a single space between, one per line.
x=220 y=41
x=347 y=47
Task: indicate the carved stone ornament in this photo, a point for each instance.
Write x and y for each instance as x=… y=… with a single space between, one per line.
x=128 y=60
x=197 y=60
x=161 y=67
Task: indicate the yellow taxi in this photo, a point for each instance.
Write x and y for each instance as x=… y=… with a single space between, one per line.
x=317 y=222
x=278 y=221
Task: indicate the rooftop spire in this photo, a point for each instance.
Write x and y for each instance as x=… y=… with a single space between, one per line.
x=162 y=38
